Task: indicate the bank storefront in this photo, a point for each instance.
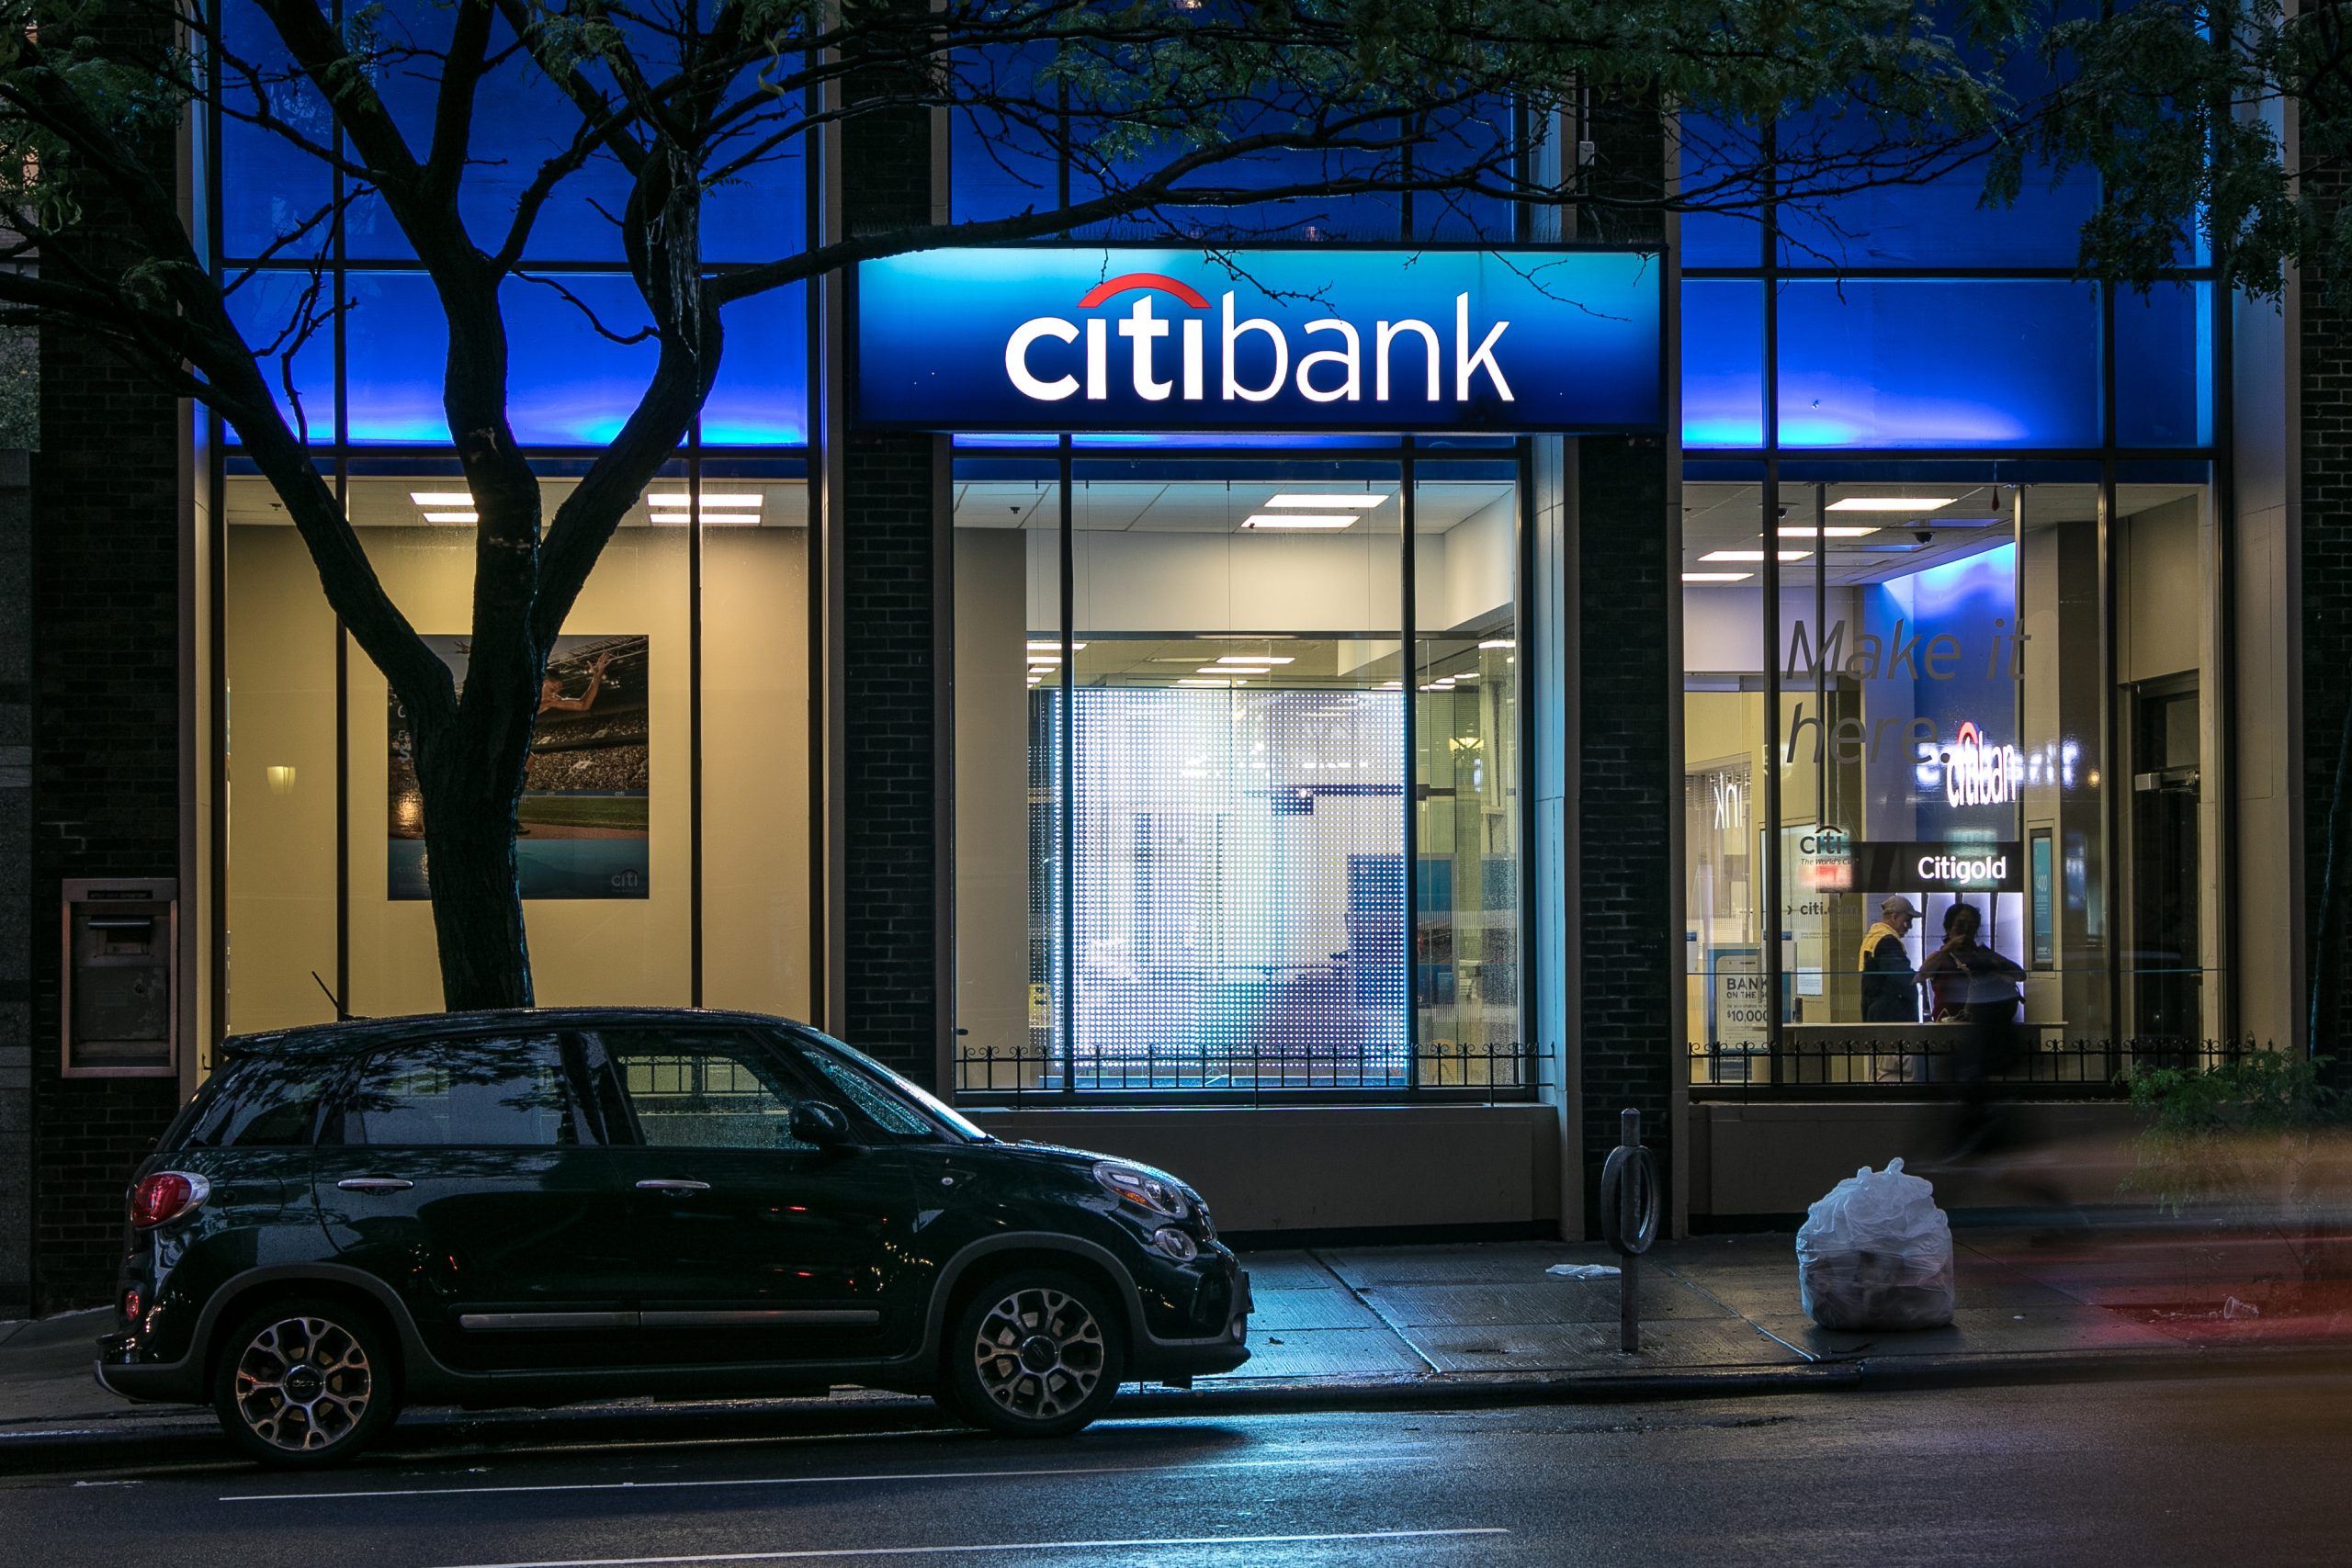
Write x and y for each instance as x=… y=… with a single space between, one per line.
x=1337 y=715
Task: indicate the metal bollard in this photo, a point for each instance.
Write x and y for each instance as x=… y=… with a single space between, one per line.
x=1629 y=1218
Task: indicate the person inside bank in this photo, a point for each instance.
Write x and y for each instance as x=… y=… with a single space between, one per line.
x=1890 y=987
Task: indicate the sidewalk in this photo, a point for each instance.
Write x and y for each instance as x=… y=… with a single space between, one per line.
x=1355 y=1326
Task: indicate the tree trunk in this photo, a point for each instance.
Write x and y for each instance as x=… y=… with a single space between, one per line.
x=470 y=770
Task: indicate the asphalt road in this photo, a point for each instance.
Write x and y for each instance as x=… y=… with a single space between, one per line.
x=2237 y=1470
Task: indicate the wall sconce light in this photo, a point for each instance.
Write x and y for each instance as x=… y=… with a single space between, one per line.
x=281 y=781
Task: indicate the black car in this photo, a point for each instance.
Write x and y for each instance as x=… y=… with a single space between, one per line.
x=529 y=1208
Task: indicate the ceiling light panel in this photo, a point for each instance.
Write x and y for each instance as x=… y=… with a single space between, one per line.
x=1299 y=520
x=1295 y=501
x=1891 y=503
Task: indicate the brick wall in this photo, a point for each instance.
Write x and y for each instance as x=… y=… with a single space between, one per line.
x=1626 y=962
x=16 y=925
x=895 y=646
x=894 y=921
x=104 y=575
x=2324 y=368
x=106 y=779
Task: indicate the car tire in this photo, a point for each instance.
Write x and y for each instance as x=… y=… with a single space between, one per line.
x=305 y=1383
x=1035 y=1354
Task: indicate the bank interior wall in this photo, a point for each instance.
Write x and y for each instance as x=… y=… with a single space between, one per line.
x=283 y=895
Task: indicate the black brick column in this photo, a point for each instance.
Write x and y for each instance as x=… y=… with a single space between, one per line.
x=1627 y=959
x=2323 y=361
x=106 y=779
x=896 y=642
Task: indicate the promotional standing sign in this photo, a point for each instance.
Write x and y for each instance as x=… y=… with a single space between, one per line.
x=1096 y=338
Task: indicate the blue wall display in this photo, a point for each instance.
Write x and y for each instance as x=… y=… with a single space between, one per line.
x=1114 y=338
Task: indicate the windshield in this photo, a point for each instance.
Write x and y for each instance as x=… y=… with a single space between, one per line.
x=938 y=1109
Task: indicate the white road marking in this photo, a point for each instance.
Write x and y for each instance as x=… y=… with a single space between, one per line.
x=1318 y=1463
x=996 y=1546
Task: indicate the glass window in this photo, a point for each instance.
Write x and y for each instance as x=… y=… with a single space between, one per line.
x=278 y=727
x=2164 y=367
x=570 y=382
x=604 y=823
x=1718 y=163
x=285 y=319
x=867 y=1096
x=1913 y=363
x=760 y=398
x=1942 y=754
x=704 y=1090
x=505 y=1091
x=1466 y=799
x=274 y=188
x=1723 y=363
x=1217 y=766
x=261 y=1102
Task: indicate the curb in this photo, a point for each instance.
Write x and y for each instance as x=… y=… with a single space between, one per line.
x=137 y=1440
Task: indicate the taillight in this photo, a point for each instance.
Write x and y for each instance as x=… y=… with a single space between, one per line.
x=167 y=1195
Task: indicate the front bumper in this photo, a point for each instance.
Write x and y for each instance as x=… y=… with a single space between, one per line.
x=1181 y=1360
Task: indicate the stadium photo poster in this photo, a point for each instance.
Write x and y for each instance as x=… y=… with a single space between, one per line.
x=581 y=830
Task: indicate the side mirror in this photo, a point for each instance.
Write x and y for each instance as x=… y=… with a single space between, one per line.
x=822 y=1126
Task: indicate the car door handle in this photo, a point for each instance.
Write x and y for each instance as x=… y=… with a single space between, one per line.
x=672 y=1184
x=374 y=1184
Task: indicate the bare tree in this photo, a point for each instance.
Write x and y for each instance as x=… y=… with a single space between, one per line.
x=1184 y=118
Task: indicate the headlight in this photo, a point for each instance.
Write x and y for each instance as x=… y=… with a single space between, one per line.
x=1142 y=1189
x=1176 y=1244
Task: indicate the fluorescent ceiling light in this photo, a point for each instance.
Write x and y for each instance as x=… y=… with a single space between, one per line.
x=1254 y=659
x=1390 y=686
x=1835 y=531
x=1464 y=675
x=1191 y=681
x=1363 y=502
x=680 y=501
x=1053 y=647
x=441 y=497
x=1499 y=642
x=1299 y=520
x=1231 y=670
x=1892 y=503
x=707 y=518
x=453 y=517
x=1716 y=576
x=1753 y=554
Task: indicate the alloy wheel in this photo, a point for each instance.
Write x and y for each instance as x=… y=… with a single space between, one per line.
x=303 y=1383
x=1039 y=1353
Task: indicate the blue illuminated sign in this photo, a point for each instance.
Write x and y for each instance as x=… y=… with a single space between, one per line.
x=1099 y=338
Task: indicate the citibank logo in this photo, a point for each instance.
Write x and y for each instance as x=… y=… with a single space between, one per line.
x=1979 y=772
x=1406 y=354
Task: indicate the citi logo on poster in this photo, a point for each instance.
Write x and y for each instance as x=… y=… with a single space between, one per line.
x=1330 y=363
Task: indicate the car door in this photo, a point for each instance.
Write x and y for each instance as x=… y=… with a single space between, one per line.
x=753 y=1245
x=468 y=1173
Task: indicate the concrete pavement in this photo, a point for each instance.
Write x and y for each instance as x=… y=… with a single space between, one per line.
x=1430 y=1326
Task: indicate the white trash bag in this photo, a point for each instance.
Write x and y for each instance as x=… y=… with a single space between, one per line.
x=1876 y=1254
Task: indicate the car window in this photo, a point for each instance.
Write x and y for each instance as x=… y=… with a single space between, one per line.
x=947 y=1116
x=260 y=1102
x=499 y=1091
x=884 y=1109
x=704 y=1089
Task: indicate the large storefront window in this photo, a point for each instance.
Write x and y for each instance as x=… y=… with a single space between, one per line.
x=1957 y=736
x=619 y=906
x=1211 y=892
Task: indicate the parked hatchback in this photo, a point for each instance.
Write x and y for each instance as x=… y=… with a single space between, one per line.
x=533 y=1208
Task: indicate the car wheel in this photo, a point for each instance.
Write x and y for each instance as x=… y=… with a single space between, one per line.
x=303 y=1384
x=1037 y=1355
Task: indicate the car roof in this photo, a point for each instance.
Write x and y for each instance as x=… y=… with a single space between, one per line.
x=362 y=1033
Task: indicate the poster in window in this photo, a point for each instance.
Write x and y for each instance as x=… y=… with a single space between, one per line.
x=2040 y=875
x=582 y=829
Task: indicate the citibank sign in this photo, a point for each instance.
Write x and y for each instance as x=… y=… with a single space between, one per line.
x=1073 y=338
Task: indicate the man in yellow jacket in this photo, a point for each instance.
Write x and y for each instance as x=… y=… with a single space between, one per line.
x=1890 y=990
